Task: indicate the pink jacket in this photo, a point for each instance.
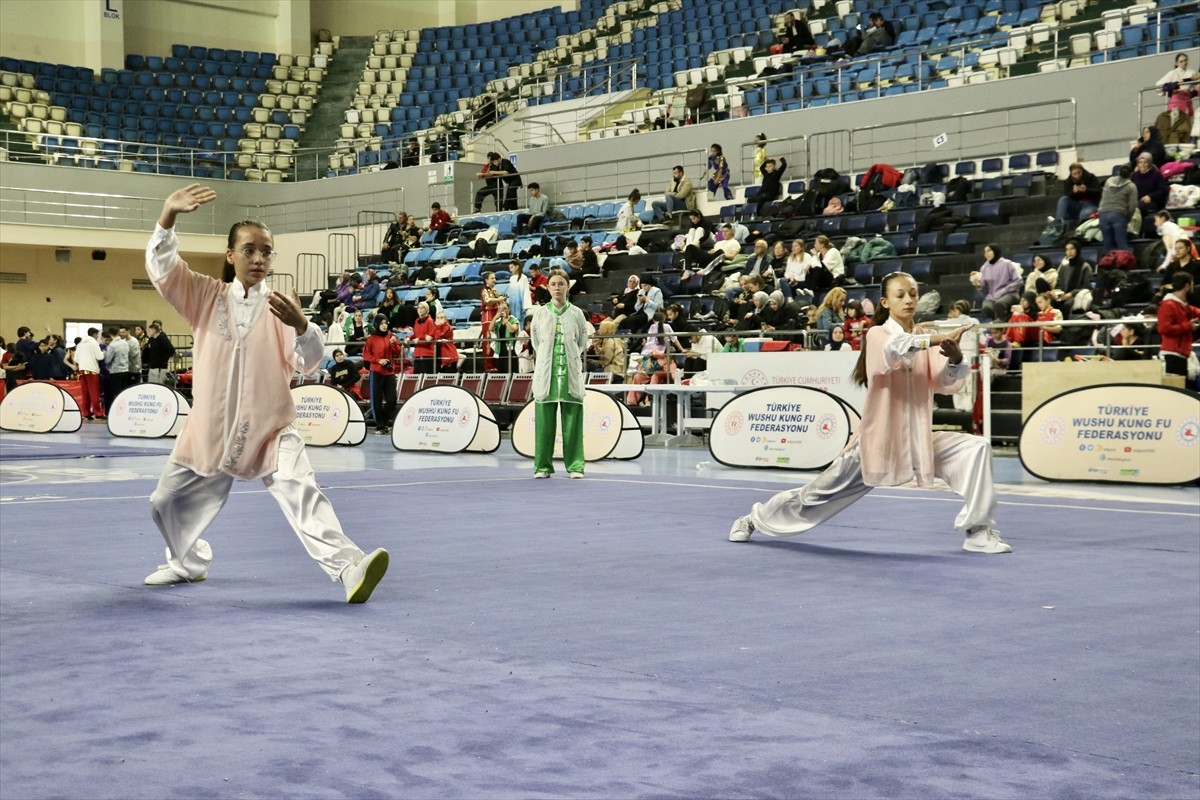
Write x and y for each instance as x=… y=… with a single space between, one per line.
x=241 y=396
x=896 y=435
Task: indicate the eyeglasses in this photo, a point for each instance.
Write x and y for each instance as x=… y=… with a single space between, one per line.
x=267 y=255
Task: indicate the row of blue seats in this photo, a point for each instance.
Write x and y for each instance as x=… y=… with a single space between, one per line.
x=200 y=53
x=526 y=22
x=206 y=135
x=204 y=110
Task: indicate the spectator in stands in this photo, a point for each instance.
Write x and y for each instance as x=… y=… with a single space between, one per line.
x=724 y=249
x=1179 y=85
x=779 y=256
x=330 y=299
x=1170 y=233
x=655 y=367
x=832 y=310
x=1074 y=287
x=504 y=331
x=1118 y=201
x=879 y=35
x=355 y=326
x=537 y=285
x=830 y=256
x=411 y=156
x=1073 y=262
x=1149 y=143
x=518 y=291
x=573 y=257
x=432 y=299
x=1152 y=192
x=443 y=338
x=524 y=347
x=1185 y=259
x=539 y=208
x=393 y=240
x=366 y=296
x=627 y=214
x=485 y=112
x=344 y=374
x=649 y=302
x=591 y=263
x=1000 y=283
x=384 y=356
x=761 y=263
x=610 y=351
x=157 y=355
x=796 y=35
x=1080 y=195
x=756 y=313
x=837 y=339
x=624 y=304
x=501 y=181
x=760 y=152
x=1043 y=276
x=771 y=188
x=422 y=339
x=857 y=322
x=679 y=196
x=439 y=221
x=696 y=241
x=1131 y=344
x=389 y=306
x=489 y=303
x=796 y=271
x=1178 y=323
x=719 y=172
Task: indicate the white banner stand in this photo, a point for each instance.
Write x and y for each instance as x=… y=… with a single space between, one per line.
x=445 y=419
x=37 y=407
x=148 y=411
x=785 y=427
x=325 y=415
x=609 y=430
x=1115 y=433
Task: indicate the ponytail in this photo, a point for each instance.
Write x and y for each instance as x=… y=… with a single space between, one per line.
x=881 y=315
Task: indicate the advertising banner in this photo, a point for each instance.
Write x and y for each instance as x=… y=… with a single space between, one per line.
x=609 y=430
x=445 y=419
x=148 y=411
x=784 y=427
x=325 y=415
x=39 y=407
x=817 y=369
x=1123 y=433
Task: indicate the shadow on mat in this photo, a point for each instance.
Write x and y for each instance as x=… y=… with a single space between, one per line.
x=841 y=552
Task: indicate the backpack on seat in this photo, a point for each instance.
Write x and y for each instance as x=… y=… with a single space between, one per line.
x=1054 y=234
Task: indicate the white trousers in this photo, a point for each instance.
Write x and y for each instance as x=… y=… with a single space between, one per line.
x=184 y=504
x=960 y=459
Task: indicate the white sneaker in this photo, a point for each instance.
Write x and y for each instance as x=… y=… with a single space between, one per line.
x=360 y=580
x=986 y=540
x=575 y=476
x=741 y=530
x=540 y=475
x=165 y=576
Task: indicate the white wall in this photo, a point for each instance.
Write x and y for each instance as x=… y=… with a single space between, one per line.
x=365 y=17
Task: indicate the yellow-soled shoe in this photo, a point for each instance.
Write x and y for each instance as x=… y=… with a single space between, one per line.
x=362 y=578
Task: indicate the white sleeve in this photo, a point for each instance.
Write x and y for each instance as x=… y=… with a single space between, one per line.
x=310 y=349
x=162 y=254
x=903 y=347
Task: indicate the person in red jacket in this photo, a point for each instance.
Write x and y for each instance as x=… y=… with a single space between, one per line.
x=423 y=337
x=439 y=221
x=384 y=355
x=447 y=353
x=1177 y=324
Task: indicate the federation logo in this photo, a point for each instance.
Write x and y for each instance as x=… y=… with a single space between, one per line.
x=463 y=419
x=410 y=416
x=826 y=426
x=755 y=377
x=605 y=423
x=1053 y=430
x=734 y=423
x=1188 y=432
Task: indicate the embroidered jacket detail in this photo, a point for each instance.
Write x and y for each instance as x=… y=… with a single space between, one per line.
x=239 y=444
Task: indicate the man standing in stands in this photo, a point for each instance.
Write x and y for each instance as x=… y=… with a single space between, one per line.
x=158 y=354
x=501 y=180
x=679 y=196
